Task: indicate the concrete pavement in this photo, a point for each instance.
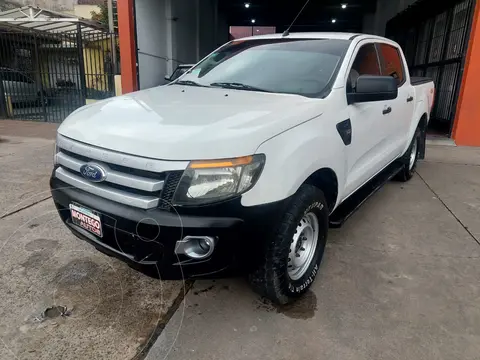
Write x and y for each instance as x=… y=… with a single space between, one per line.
x=399 y=281
x=114 y=310
x=30 y=129
x=26 y=155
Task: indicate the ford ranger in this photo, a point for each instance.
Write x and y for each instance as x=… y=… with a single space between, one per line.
x=246 y=160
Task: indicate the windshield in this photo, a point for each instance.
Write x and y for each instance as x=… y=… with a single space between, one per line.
x=294 y=66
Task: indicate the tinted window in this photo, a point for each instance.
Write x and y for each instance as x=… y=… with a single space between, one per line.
x=392 y=64
x=296 y=66
x=365 y=63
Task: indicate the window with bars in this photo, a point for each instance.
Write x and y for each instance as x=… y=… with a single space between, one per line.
x=458 y=33
x=435 y=47
x=438 y=38
x=423 y=41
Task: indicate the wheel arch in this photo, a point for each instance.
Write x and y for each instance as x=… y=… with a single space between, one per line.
x=326 y=180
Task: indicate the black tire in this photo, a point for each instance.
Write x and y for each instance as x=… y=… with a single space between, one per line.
x=408 y=169
x=272 y=279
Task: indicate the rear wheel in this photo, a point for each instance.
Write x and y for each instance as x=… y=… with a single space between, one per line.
x=409 y=159
x=295 y=248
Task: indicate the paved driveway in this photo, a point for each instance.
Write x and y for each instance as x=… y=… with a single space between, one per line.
x=399 y=281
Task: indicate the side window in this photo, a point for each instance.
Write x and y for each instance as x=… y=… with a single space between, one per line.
x=365 y=63
x=392 y=64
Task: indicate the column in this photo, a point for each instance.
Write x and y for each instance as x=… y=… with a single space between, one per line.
x=128 y=53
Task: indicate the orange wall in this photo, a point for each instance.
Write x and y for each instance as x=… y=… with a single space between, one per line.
x=126 y=35
x=466 y=130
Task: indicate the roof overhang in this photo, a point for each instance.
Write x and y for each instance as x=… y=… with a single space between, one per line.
x=29 y=18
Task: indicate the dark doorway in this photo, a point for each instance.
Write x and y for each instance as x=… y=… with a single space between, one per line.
x=434 y=36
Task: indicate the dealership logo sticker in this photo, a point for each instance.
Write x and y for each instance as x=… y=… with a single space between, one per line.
x=86 y=219
x=93 y=172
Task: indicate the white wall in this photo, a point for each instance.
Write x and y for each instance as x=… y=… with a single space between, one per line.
x=170 y=32
x=151 y=42
x=386 y=10
x=85 y=11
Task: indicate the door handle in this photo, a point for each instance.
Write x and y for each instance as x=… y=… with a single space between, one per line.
x=387 y=110
x=410 y=98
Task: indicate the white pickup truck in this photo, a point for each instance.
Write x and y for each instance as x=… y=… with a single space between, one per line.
x=245 y=161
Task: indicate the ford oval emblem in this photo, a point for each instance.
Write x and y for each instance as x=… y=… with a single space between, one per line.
x=93 y=172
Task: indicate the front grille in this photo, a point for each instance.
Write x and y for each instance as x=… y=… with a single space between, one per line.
x=119 y=168
x=169 y=187
x=135 y=185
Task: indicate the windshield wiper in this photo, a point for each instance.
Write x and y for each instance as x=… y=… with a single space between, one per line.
x=237 y=86
x=188 y=83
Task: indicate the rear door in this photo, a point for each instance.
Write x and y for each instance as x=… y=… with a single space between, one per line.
x=367 y=154
x=398 y=124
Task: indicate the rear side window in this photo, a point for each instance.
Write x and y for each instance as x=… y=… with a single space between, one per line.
x=365 y=63
x=391 y=62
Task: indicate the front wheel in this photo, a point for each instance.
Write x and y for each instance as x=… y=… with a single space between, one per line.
x=295 y=248
x=409 y=159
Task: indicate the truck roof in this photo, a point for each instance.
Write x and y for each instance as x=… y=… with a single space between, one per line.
x=315 y=35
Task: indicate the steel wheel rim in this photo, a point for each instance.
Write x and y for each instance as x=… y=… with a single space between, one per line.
x=413 y=155
x=303 y=246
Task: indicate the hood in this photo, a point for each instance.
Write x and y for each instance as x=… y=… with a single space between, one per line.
x=187 y=123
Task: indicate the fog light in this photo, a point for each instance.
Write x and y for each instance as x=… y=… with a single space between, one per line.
x=195 y=247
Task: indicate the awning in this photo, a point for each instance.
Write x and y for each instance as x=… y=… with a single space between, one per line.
x=31 y=18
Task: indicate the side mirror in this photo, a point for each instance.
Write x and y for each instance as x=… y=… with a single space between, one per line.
x=168 y=78
x=373 y=88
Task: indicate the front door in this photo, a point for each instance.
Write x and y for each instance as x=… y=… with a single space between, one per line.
x=366 y=155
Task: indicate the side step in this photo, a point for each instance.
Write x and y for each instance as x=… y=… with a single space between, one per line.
x=349 y=206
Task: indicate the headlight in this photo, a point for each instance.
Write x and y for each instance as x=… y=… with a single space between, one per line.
x=214 y=180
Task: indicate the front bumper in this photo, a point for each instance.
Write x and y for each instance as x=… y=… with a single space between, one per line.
x=145 y=239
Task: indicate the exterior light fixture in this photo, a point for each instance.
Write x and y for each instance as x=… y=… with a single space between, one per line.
x=334 y=21
x=253 y=21
x=247 y=5
x=344 y=6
